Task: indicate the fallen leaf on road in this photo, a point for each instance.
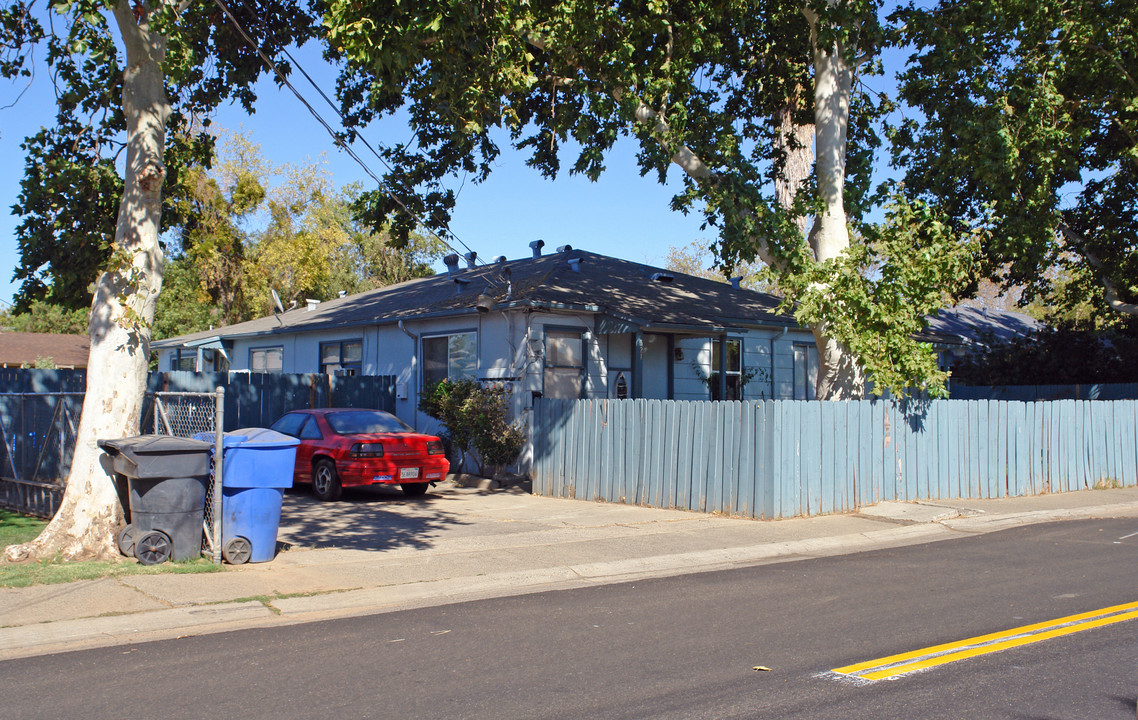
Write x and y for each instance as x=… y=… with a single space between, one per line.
x=762 y=668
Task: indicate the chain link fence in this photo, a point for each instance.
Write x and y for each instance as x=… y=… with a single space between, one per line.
x=186 y=414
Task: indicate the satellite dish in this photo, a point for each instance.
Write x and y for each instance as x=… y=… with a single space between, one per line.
x=277 y=301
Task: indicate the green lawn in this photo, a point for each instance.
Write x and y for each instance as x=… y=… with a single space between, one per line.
x=16 y=528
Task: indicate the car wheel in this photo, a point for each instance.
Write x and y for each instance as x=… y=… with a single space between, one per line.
x=414 y=489
x=325 y=481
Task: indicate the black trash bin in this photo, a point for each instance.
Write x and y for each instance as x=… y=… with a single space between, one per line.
x=167 y=478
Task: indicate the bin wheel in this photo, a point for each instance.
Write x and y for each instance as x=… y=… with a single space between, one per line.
x=126 y=541
x=154 y=548
x=237 y=551
x=414 y=489
x=325 y=481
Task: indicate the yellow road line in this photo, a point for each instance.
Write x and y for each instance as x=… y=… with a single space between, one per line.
x=902 y=663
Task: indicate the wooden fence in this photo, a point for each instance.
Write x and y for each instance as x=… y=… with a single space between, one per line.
x=779 y=459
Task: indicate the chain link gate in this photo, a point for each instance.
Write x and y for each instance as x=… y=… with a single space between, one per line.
x=186 y=414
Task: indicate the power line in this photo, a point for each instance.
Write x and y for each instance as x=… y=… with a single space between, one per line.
x=385 y=186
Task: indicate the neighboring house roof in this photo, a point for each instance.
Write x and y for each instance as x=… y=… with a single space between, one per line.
x=966 y=325
x=66 y=351
x=623 y=291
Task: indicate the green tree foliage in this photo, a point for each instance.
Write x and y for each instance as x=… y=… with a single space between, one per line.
x=43 y=317
x=248 y=225
x=725 y=91
x=184 y=306
x=1052 y=356
x=1028 y=132
x=70 y=193
x=475 y=418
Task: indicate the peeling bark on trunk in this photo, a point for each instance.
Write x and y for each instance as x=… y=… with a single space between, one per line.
x=121 y=314
x=840 y=377
x=797 y=143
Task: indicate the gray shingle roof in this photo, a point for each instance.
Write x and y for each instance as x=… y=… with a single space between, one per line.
x=619 y=288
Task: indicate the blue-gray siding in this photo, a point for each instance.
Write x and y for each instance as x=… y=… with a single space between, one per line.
x=777 y=459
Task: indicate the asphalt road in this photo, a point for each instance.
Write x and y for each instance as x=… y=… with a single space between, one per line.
x=677 y=648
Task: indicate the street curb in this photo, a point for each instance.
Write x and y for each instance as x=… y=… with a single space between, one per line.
x=145 y=626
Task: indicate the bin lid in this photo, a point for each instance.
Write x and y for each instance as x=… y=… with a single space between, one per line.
x=153 y=444
x=247 y=437
x=158 y=456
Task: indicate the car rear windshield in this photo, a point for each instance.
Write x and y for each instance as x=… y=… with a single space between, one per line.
x=352 y=423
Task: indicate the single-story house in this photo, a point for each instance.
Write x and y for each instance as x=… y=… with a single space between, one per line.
x=569 y=324
x=24 y=349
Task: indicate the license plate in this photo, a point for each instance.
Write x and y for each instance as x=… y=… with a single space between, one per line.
x=406 y=473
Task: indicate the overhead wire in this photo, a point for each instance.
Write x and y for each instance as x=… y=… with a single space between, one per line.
x=384 y=185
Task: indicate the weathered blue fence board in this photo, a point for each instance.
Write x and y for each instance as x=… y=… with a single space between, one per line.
x=776 y=458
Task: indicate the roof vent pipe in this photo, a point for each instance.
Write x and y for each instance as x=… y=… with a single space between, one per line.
x=501 y=260
x=565 y=249
x=575 y=264
x=536 y=246
x=663 y=277
x=459 y=284
x=736 y=280
x=470 y=258
x=312 y=304
x=451 y=261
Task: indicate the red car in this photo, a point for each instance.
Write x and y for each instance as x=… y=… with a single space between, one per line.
x=342 y=448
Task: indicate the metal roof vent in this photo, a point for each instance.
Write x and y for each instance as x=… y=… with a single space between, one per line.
x=459 y=284
x=536 y=246
x=565 y=249
x=312 y=304
x=451 y=261
x=736 y=280
x=663 y=277
x=575 y=264
x=470 y=258
x=501 y=260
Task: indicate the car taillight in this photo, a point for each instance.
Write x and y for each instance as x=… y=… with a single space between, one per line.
x=434 y=447
x=361 y=450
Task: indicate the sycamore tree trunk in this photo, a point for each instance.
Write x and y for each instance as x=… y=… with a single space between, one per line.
x=121 y=313
x=840 y=377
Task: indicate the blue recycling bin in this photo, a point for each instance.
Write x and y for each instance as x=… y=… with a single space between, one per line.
x=257 y=468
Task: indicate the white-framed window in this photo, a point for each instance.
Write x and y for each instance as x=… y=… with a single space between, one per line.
x=564 y=375
x=449 y=357
x=805 y=371
x=342 y=357
x=266 y=360
x=734 y=370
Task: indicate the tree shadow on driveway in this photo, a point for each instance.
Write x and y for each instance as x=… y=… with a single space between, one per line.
x=371 y=518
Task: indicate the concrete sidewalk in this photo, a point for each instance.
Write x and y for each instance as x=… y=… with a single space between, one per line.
x=377 y=552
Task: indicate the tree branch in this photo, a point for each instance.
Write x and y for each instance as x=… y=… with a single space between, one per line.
x=1079 y=244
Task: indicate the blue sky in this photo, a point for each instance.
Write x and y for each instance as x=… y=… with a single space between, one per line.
x=623 y=214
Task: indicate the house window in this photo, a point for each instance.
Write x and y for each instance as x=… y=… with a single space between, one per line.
x=266 y=360
x=564 y=364
x=734 y=370
x=805 y=372
x=184 y=361
x=212 y=360
x=449 y=357
x=342 y=358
